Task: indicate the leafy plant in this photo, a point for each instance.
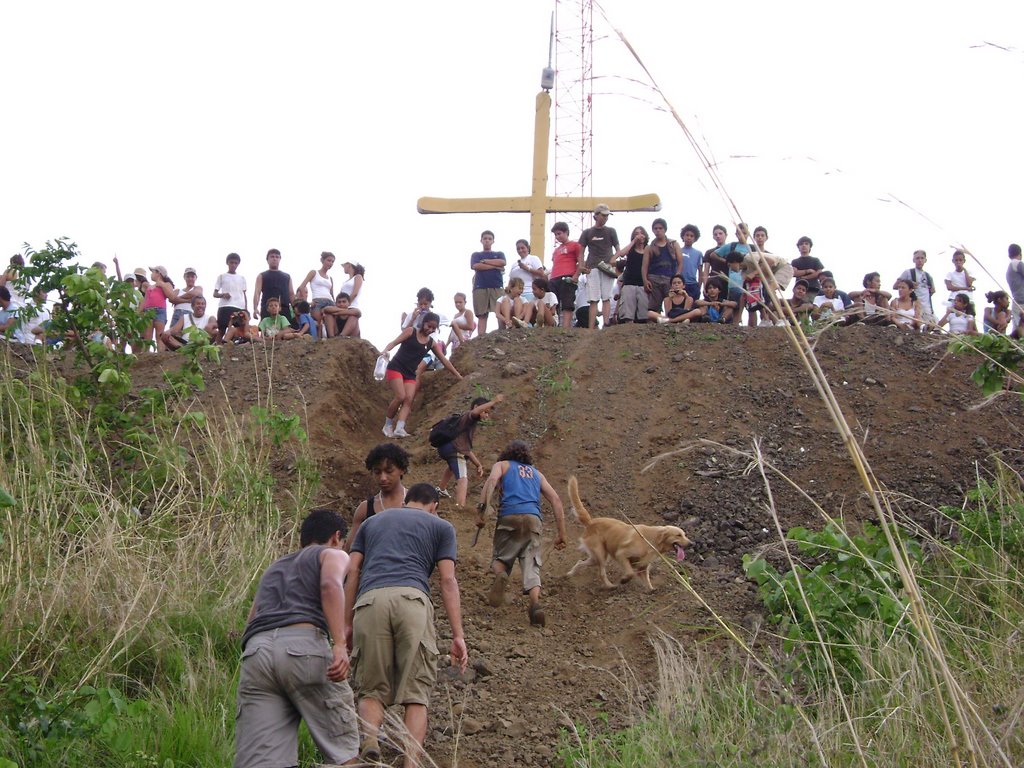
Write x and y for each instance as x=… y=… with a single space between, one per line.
x=854 y=582
x=1003 y=360
x=990 y=522
x=48 y=726
x=97 y=318
x=479 y=390
x=277 y=426
x=555 y=377
x=90 y=309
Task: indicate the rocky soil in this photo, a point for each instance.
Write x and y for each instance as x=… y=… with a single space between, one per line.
x=660 y=425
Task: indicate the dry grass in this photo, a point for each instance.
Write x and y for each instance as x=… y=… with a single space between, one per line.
x=105 y=584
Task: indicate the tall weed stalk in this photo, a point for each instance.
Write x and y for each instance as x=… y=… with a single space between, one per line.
x=130 y=577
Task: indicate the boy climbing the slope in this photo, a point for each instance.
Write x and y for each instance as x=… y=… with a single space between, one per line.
x=457 y=446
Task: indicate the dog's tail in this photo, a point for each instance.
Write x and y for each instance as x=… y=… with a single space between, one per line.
x=577 y=504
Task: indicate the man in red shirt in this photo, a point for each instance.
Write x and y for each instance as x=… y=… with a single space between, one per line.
x=566 y=266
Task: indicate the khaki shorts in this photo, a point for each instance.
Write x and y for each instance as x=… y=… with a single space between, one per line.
x=395 y=649
x=486 y=300
x=632 y=304
x=283 y=679
x=517 y=537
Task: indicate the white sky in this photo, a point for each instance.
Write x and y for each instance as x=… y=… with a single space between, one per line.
x=173 y=133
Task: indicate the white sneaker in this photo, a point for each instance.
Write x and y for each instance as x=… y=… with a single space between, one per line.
x=388 y=431
x=400 y=433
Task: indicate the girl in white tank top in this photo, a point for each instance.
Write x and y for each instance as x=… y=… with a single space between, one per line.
x=906 y=309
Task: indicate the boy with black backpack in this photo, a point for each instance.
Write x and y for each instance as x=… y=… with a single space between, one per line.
x=453 y=438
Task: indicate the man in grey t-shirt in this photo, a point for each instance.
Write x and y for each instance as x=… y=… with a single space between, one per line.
x=601 y=245
x=1015 y=282
x=289 y=668
x=392 y=616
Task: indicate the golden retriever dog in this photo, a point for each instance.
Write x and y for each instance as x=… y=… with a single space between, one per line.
x=634 y=547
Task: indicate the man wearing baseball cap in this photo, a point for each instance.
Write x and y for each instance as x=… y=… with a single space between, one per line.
x=600 y=243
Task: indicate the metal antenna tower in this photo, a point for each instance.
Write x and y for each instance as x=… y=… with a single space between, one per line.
x=573 y=92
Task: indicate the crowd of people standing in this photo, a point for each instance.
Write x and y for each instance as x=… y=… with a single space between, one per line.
x=277 y=311
x=654 y=278
x=591 y=281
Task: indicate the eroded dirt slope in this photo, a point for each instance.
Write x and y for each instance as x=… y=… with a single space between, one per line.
x=602 y=406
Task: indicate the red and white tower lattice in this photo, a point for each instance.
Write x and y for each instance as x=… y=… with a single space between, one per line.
x=573 y=97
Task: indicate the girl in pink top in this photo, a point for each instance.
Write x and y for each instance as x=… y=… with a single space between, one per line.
x=157 y=293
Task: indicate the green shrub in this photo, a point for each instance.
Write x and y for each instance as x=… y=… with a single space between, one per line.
x=1003 y=360
x=132 y=530
x=820 y=610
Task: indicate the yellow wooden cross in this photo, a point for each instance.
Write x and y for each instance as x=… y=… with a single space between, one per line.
x=538 y=203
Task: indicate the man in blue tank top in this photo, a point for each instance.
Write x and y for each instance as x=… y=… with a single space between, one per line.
x=517 y=533
x=290 y=670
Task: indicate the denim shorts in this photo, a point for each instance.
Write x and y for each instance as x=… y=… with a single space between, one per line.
x=176 y=315
x=159 y=314
x=456 y=461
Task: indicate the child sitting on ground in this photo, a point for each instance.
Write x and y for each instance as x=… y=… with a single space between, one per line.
x=542 y=310
x=870 y=306
x=801 y=307
x=460 y=447
x=712 y=308
x=463 y=324
x=275 y=326
x=997 y=317
x=827 y=304
x=239 y=330
x=960 y=316
x=337 y=316
x=677 y=303
x=304 y=322
x=510 y=306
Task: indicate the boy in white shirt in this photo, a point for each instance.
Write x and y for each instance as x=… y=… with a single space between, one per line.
x=231 y=289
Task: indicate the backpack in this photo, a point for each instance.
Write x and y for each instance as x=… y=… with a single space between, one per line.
x=444 y=431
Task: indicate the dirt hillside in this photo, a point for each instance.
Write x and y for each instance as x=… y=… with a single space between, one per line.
x=602 y=406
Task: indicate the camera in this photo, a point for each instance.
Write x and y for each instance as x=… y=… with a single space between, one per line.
x=238 y=320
